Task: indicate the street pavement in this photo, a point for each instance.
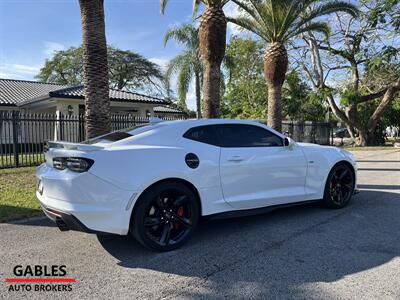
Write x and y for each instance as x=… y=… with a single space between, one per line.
x=305 y=252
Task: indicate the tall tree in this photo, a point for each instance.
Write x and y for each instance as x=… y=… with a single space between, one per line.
x=187 y=64
x=65 y=67
x=212 y=35
x=276 y=22
x=127 y=70
x=246 y=91
x=131 y=71
x=95 y=68
x=371 y=57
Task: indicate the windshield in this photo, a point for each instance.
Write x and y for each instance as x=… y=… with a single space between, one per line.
x=121 y=134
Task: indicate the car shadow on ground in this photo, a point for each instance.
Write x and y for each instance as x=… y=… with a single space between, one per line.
x=287 y=246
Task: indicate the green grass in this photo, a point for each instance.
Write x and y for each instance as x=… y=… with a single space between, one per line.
x=389 y=145
x=17 y=194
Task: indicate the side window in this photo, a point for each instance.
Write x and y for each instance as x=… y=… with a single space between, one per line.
x=204 y=134
x=243 y=135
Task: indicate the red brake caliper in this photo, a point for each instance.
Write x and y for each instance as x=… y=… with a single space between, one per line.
x=180 y=214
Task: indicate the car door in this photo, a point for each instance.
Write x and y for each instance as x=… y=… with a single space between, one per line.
x=256 y=168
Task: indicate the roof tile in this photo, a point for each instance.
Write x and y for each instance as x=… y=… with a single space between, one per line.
x=18 y=92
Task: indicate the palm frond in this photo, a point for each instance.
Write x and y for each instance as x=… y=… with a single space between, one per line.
x=278 y=20
x=321 y=27
x=163 y=4
x=327 y=8
x=249 y=24
x=185 y=34
x=183 y=81
x=196 y=4
x=175 y=64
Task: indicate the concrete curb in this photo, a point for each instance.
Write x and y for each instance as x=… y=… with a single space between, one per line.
x=25 y=220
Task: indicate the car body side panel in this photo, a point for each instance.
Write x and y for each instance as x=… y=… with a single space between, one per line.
x=264 y=176
x=138 y=167
x=321 y=160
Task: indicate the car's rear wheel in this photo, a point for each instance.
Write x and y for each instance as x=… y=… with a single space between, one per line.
x=165 y=216
x=339 y=186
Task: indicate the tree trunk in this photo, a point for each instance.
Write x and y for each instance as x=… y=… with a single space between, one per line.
x=211 y=86
x=275 y=67
x=387 y=98
x=351 y=114
x=95 y=68
x=366 y=138
x=198 y=95
x=275 y=107
x=212 y=38
x=367 y=135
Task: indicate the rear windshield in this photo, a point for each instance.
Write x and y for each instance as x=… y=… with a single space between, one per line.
x=121 y=134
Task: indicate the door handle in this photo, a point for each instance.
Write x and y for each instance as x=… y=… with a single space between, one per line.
x=236 y=158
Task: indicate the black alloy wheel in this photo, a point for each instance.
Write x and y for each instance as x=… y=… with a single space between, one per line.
x=166 y=216
x=339 y=186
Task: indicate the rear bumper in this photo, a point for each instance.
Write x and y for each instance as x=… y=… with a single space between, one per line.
x=66 y=221
x=84 y=202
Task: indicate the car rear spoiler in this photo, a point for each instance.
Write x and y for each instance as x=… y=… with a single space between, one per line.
x=70 y=146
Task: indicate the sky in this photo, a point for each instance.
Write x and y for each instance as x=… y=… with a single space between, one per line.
x=31 y=30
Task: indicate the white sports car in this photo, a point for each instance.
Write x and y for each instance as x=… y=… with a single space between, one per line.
x=157 y=180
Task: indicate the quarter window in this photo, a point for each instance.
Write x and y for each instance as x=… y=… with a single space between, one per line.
x=204 y=134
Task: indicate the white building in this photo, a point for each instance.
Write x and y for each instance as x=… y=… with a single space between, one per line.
x=38 y=97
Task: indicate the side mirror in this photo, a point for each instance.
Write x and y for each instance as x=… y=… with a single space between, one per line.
x=288 y=142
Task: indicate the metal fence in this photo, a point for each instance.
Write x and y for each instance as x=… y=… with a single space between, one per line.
x=309 y=132
x=23 y=136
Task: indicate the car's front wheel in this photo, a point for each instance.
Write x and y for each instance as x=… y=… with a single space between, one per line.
x=339 y=186
x=165 y=216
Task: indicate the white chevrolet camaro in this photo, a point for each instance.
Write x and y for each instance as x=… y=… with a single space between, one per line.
x=156 y=181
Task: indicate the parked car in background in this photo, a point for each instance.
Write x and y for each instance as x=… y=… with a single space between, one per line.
x=156 y=181
x=341 y=133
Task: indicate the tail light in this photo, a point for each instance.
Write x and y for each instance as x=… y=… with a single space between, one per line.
x=75 y=164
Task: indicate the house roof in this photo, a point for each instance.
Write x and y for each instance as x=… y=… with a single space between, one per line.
x=77 y=92
x=13 y=92
x=166 y=109
x=20 y=92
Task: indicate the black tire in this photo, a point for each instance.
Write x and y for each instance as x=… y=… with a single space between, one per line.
x=165 y=216
x=339 y=187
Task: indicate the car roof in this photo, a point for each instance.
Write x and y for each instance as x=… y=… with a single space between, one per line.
x=186 y=124
x=200 y=122
x=166 y=132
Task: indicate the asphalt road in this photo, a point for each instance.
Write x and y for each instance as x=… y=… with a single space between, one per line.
x=303 y=252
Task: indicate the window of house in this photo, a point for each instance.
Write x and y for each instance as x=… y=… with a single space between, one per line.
x=70 y=110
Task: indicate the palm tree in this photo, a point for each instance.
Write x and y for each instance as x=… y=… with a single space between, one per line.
x=212 y=38
x=186 y=65
x=95 y=68
x=276 y=22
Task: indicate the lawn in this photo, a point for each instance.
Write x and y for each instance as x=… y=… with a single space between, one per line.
x=17 y=194
x=389 y=144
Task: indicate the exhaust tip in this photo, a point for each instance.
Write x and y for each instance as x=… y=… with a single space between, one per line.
x=61 y=224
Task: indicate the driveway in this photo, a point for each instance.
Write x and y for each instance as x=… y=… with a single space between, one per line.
x=302 y=252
